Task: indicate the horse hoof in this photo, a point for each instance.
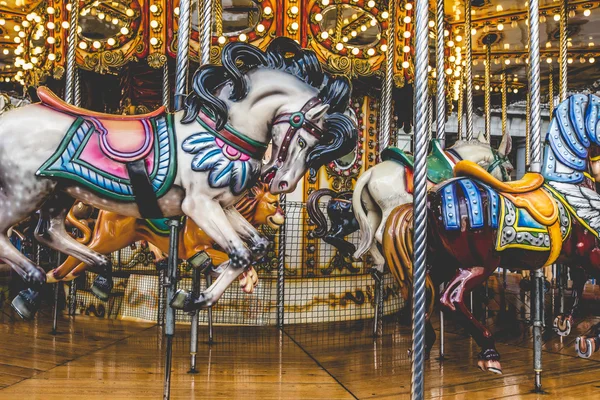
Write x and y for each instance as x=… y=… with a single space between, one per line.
x=102 y=287
x=182 y=300
x=35 y=278
x=585 y=347
x=50 y=278
x=562 y=324
x=26 y=304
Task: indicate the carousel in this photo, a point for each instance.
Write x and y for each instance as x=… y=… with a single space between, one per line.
x=299 y=199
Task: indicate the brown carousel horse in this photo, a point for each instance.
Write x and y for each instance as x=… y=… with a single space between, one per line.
x=114 y=232
x=477 y=223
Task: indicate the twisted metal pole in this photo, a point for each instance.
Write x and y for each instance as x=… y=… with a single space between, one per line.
x=460 y=112
x=440 y=76
x=281 y=266
x=527 y=133
x=218 y=8
x=205 y=24
x=504 y=107
x=77 y=88
x=388 y=81
x=488 y=94
x=419 y=200
x=71 y=60
x=183 y=51
x=535 y=166
x=551 y=91
x=564 y=20
x=166 y=87
x=469 y=70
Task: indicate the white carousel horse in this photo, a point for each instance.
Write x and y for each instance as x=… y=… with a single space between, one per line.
x=196 y=162
x=384 y=187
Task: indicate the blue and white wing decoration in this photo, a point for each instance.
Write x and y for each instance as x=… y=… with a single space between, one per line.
x=585 y=202
x=227 y=165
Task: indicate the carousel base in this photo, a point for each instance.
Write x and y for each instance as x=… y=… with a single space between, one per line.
x=115 y=359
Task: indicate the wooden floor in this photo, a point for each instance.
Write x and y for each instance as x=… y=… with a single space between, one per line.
x=98 y=359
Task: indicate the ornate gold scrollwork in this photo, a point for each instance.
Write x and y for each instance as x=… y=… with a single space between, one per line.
x=156 y=60
x=103 y=62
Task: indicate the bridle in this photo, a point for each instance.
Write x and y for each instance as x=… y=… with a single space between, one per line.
x=496 y=163
x=297 y=121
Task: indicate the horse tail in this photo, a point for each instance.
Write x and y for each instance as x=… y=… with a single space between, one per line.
x=366 y=233
x=398 y=252
x=83 y=228
x=314 y=211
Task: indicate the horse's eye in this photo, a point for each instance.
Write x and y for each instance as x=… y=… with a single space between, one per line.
x=301 y=143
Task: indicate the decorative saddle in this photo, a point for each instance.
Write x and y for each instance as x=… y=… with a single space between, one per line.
x=525 y=213
x=124 y=157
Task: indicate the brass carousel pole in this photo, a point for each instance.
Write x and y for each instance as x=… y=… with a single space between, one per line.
x=488 y=93
x=420 y=198
x=468 y=71
x=535 y=166
x=562 y=91
x=440 y=108
x=504 y=122
x=459 y=111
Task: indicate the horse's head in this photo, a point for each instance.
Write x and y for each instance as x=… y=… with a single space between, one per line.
x=494 y=161
x=261 y=207
x=280 y=96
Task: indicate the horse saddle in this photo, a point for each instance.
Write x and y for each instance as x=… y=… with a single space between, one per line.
x=126 y=158
x=123 y=138
x=535 y=206
x=439 y=167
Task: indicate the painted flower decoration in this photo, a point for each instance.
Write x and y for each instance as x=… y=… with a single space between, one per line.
x=227 y=166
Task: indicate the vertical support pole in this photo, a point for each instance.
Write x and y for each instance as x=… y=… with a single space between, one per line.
x=535 y=166
x=469 y=71
x=166 y=87
x=209 y=311
x=55 y=307
x=487 y=95
x=194 y=323
x=377 y=317
x=504 y=106
x=77 y=88
x=419 y=200
x=562 y=73
x=551 y=90
x=442 y=331
x=281 y=266
x=440 y=74
x=183 y=49
x=562 y=90
x=460 y=111
x=162 y=301
x=171 y=282
x=385 y=124
x=73 y=298
x=71 y=67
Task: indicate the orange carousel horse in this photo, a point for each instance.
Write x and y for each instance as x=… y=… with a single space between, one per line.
x=113 y=232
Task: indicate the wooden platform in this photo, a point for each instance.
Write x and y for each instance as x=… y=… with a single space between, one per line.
x=99 y=359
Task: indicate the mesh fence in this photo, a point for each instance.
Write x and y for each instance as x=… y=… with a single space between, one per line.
x=329 y=289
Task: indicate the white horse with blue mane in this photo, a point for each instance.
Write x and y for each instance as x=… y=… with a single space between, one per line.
x=197 y=162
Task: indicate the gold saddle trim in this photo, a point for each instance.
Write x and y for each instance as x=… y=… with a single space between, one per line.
x=525 y=193
x=528 y=183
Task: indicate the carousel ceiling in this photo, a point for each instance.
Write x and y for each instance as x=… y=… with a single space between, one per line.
x=349 y=36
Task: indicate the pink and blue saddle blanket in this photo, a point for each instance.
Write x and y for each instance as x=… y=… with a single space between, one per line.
x=127 y=159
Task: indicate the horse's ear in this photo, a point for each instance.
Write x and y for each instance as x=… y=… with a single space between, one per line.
x=482 y=138
x=317 y=112
x=505 y=145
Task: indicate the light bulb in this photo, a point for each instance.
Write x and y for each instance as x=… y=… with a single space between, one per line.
x=500 y=27
x=587 y=12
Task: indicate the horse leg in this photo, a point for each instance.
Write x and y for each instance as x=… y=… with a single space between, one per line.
x=212 y=219
x=563 y=322
x=374 y=219
x=463 y=282
x=52 y=232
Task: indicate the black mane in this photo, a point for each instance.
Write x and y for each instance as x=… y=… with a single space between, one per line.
x=282 y=54
x=238 y=58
